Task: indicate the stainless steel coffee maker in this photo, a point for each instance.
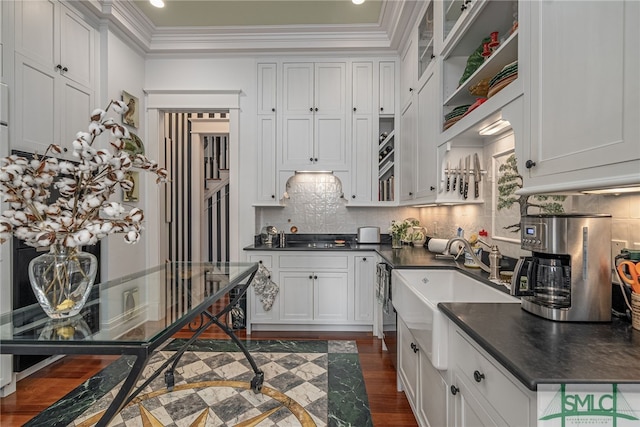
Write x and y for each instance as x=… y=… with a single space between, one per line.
x=568 y=276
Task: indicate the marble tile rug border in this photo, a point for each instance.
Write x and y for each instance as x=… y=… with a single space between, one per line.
x=346 y=399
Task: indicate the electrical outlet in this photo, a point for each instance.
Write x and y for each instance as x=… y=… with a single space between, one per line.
x=617 y=246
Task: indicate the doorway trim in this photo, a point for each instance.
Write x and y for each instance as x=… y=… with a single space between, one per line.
x=160 y=101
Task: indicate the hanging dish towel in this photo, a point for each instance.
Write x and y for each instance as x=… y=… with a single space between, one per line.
x=264 y=287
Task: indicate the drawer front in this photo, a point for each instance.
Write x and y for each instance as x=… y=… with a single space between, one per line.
x=315 y=262
x=505 y=396
x=265 y=259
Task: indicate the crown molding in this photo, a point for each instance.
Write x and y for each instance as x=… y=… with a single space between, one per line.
x=384 y=36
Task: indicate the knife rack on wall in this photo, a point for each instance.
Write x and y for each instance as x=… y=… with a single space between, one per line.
x=460 y=180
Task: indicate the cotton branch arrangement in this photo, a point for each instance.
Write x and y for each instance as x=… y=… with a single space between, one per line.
x=84 y=213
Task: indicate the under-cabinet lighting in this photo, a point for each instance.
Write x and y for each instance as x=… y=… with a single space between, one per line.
x=494 y=127
x=357 y=1
x=157 y=3
x=613 y=191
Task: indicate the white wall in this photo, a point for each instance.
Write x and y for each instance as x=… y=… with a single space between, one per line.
x=125 y=70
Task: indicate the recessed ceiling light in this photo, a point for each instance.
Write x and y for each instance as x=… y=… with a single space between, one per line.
x=357 y=1
x=157 y=3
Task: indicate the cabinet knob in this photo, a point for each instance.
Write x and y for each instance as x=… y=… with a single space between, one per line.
x=467 y=2
x=311 y=159
x=413 y=346
x=364 y=259
x=478 y=376
x=273 y=110
x=311 y=109
x=65 y=69
x=410 y=193
x=529 y=164
x=316 y=109
x=462 y=8
x=381 y=108
x=315 y=159
x=315 y=277
x=353 y=196
x=59 y=67
x=354 y=109
x=454 y=390
x=432 y=56
x=410 y=89
x=310 y=276
x=432 y=188
x=273 y=196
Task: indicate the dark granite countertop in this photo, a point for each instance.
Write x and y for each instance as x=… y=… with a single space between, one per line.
x=538 y=351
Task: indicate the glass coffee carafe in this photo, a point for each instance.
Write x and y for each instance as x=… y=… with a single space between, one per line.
x=551 y=281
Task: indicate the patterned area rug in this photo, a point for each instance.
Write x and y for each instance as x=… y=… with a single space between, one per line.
x=306 y=383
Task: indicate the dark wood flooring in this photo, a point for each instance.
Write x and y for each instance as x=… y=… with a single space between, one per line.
x=45 y=387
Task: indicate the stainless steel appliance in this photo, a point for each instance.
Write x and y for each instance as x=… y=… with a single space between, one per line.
x=368 y=235
x=386 y=313
x=568 y=276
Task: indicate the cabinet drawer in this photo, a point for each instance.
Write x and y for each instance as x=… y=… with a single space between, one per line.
x=505 y=396
x=315 y=262
x=265 y=259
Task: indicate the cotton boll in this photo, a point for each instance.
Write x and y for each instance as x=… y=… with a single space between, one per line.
x=132 y=237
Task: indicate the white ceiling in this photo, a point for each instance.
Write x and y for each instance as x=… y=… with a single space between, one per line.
x=222 y=13
x=241 y=26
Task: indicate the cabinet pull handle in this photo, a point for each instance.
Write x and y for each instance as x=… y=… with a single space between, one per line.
x=454 y=390
x=462 y=8
x=478 y=376
x=529 y=164
x=413 y=346
x=59 y=67
x=65 y=69
x=415 y=349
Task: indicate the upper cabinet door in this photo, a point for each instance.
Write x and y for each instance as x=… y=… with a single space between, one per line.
x=298 y=88
x=330 y=87
x=408 y=70
x=362 y=87
x=387 y=86
x=76 y=48
x=267 y=88
x=583 y=113
x=35 y=30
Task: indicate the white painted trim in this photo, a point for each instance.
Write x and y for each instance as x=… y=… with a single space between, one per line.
x=160 y=101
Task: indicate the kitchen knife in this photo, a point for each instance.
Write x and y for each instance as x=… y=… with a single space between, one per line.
x=467 y=164
x=460 y=176
x=455 y=180
x=448 y=174
x=477 y=175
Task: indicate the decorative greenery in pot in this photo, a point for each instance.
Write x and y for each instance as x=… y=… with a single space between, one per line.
x=82 y=214
x=399 y=231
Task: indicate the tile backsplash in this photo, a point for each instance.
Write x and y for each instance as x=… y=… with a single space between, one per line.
x=315 y=204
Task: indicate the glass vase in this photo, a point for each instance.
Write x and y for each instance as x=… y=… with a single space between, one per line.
x=396 y=242
x=62 y=280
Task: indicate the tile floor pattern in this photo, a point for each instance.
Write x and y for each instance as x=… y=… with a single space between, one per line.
x=298 y=369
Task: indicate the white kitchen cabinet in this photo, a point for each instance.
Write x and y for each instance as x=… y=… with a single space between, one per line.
x=424 y=385
x=314 y=116
x=409 y=70
x=55 y=74
x=426 y=139
x=257 y=313
x=362 y=133
x=581 y=127
x=331 y=296
x=267 y=134
x=365 y=267
x=296 y=289
x=408 y=154
x=387 y=88
x=483 y=393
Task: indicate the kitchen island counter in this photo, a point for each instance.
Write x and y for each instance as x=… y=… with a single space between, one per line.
x=541 y=351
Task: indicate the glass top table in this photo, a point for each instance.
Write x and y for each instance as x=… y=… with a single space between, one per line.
x=137 y=314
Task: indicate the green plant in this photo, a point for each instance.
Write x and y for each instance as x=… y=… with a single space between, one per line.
x=509 y=182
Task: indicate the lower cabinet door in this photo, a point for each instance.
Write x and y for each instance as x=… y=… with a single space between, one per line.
x=296 y=296
x=331 y=294
x=258 y=313
x=432 y=394
x=408 y=362
x=466 y=408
